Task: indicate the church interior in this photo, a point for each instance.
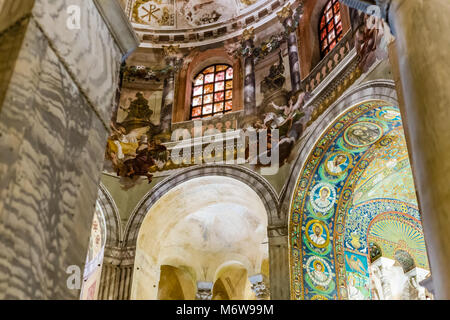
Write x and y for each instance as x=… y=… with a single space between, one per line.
x=224 y=150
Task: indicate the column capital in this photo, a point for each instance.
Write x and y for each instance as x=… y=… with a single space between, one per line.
x=277 y=231
x=204 y=291
x=247 y=43
x=290 y=18
x=173 y=57
x=248 y=35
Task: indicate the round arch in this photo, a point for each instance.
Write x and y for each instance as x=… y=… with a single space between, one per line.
x=309 y=49
x=361 y=95
x=200 y=225
x=262 y=188
x=371 y=90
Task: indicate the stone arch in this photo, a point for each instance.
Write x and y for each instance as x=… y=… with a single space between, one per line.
x=374 y=90
x=277 y=223
x=232 y=280
x=175 y=284
x=309 y=49
x=264 y=190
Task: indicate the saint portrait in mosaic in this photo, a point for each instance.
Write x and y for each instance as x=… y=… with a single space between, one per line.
x=337 y=164
x=317 y=233
x=319 y=272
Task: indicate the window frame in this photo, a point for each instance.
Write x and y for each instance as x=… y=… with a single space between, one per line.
x=202 y=105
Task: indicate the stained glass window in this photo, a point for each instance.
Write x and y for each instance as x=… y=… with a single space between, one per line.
x=330 y=27
x=212 y=92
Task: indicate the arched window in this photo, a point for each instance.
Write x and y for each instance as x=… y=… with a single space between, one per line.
x=330 y=27
x=212 y=92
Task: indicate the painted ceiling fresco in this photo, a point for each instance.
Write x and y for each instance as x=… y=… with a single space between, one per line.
x=186 y=13
x=356 y=188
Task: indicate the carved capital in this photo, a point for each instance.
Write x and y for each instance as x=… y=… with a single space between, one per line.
x=173 y=56
x=285 y=13
x=248 y=34
x=204 y=291
x=277 y=231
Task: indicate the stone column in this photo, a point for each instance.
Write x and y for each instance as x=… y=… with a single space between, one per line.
x=423 y=57
x=249 y=72
x=204 y=291
x=117 y=274
x=286 y=18
x=172 y=55
x=167 y=103
x=279 y=263
x=54 y=124
x=260 y=287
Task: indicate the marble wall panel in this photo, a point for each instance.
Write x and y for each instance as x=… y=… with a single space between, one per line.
x=51 y=141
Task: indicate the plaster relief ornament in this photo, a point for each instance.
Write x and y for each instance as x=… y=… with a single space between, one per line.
x=317 y=233
x=338 y=163
x=202 y=12
x=248 y=34
x=363 y=134
x=155 y=13
x=323 y=197
x=319 y=272
x=173 y=52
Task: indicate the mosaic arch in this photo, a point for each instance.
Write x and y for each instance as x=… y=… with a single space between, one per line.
x=355 y=188
x=94 y=259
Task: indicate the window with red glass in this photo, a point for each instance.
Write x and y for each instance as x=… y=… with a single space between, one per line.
x=212 y=92
x=330 y=27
